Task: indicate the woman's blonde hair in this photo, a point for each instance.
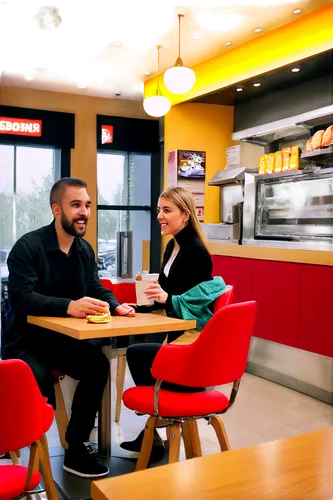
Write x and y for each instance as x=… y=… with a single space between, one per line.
x=184 y=200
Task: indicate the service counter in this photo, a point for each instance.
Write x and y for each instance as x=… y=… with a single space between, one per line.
x=293 y=335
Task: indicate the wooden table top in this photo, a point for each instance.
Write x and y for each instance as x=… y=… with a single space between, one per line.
x=119 y=326
x=297 y=468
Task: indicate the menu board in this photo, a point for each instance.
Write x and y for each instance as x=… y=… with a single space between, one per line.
x=187 y=169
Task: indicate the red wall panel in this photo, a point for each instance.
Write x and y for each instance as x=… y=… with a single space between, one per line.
x=276 y=288
x=221 y=267
x=241 y=277
x=295 y=301
x=316 y=318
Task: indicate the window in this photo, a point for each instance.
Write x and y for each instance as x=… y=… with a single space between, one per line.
x=27 y=175
x=124 y=204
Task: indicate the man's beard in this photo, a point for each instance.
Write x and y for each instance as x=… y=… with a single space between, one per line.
x=70 y=228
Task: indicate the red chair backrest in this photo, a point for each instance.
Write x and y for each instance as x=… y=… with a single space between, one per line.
x=22 y=415
x=124 y=291
x=106 y=282
x=219 y=355
x=224 y=300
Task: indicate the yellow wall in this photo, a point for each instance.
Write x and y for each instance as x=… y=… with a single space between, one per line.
x=85 y=108
x=201 y=127
x=300 y=39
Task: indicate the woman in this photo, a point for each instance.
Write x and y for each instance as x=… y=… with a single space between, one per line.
x=186 y=263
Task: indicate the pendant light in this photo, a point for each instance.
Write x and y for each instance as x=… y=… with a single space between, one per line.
x=179 y=79
x=157 y=105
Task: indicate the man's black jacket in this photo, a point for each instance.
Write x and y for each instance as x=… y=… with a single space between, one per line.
x=42 y=283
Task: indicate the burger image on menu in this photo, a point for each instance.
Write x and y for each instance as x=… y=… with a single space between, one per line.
x=192 y=165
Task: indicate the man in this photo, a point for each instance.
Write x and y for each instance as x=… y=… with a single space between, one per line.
x=52 y=272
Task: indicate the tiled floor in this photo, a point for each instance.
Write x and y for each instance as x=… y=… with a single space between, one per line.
x=263 y=411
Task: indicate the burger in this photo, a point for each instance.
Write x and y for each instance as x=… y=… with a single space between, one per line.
x=99 y=317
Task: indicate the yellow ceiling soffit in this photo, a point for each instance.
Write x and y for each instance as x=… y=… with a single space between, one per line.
x=305 y=37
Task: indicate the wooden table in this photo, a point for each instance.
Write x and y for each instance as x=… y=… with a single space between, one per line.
x=119 y=326
x=297 y=468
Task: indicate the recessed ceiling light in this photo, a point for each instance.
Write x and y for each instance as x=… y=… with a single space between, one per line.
x=40 y=66
x=295 y=70
x=82 y=85
x=297 y=11
x=47 y=19
x=116 y=43
x=29 y=78
x=257 y=30
x=167 y=46
x=147 y=73
x=239 y=89
x=257 y=84
x=228 y=43
x=197 y=36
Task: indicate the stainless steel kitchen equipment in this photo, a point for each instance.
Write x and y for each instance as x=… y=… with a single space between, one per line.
x=292 y=127
x=231 y=183
x=295 y=206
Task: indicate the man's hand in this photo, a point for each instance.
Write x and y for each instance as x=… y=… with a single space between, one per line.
x=155 y=292
x=86 y=305
x=124 y=310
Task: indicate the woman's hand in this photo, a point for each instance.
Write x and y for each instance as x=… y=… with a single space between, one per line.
x=155 y=292
x=124 y=310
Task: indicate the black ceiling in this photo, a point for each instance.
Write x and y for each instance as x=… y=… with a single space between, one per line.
x=279 y=79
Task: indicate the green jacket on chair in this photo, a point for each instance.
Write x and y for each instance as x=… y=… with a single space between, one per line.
x=196 y=302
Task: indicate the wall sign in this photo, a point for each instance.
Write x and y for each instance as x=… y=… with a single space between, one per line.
x=20 y=126
x=233 y=156
x=187 y=169
x=114 y=133
x=107 y=134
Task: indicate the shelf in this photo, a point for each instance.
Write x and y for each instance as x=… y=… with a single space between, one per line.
x=322 y=155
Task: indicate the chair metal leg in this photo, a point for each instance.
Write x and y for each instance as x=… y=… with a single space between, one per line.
x=120 y=380
x=221 y=433
x=147 y=444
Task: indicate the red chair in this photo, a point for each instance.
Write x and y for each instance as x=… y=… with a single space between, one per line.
x=225 y=299
x=25 y=417
x=124 y=291
x=218 y=356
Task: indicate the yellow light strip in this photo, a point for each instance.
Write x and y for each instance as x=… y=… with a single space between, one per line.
x=300 y=39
